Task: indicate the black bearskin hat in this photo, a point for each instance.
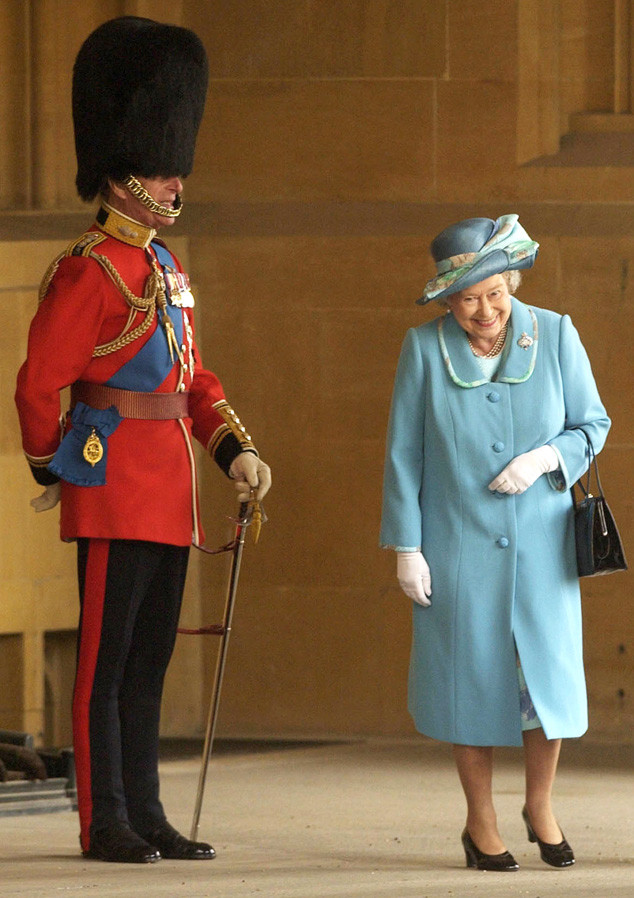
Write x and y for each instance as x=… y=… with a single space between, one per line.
x=138 y=97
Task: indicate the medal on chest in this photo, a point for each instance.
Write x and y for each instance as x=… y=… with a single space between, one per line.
x=179 y=288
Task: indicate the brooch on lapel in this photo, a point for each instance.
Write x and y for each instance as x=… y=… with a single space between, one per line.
x=525 y=342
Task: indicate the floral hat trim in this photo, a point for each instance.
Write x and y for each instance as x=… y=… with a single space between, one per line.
x=509 y=237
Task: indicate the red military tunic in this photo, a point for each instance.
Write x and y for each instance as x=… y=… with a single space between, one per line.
x=87 y=329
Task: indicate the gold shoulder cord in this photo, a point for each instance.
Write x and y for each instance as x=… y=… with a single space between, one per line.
x=85 y=246
x=146 y=303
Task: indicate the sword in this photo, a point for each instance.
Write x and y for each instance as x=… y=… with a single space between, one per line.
x=250 y=512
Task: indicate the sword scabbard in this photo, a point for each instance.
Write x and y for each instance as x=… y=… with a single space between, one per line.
x=220 y=665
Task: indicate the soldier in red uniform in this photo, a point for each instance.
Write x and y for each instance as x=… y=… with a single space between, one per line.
x=115 y=323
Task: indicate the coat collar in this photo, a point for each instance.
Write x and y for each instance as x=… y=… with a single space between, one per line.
x=518 y=357
x=124 y=228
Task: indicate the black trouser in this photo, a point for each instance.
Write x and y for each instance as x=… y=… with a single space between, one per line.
x=130 y=594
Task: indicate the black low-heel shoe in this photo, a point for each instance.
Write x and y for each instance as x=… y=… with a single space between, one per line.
x=477 y=860
x=559 y=855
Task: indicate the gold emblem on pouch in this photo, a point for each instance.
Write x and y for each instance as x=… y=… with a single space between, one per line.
x=93 y=450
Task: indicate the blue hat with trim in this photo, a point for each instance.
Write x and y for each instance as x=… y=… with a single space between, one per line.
x=475 y=249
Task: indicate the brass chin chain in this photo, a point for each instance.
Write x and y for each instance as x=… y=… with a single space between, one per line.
x=140 y=193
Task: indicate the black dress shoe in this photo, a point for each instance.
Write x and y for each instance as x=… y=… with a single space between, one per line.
x=478 y=860
x=176 y=847
x=119 y=844
x=559 y=855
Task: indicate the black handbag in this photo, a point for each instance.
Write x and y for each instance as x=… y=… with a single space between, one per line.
x=597 y=539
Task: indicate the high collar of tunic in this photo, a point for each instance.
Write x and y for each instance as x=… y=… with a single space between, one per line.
x=518 y=356
x=124 y=228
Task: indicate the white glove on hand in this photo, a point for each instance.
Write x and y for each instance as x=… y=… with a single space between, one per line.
x=250 y=472
x=525 y=469
x=48 y=499
x=413 y=576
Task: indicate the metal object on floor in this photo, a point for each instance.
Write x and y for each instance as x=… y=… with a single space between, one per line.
x=57 y=792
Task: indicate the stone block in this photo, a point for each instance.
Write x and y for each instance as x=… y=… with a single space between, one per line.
x=476 y=146
x=13 y=103
x=326 y=321
x=482 y=41
x=588 y=183
x=586 y=45
x=251 y=39
x=309 y=669
x=285 y=140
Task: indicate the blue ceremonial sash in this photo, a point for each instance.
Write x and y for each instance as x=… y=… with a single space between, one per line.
x=147 y=370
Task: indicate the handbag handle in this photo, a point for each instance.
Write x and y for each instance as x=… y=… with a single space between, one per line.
x=592 y=462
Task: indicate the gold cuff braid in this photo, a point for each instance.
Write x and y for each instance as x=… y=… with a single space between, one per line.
x=233 y=425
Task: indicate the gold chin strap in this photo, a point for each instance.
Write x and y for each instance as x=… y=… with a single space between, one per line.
x=140 y=193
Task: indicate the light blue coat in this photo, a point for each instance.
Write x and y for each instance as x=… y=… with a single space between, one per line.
x=502 y=566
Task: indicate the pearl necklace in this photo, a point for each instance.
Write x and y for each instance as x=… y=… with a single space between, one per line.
x=496 y=349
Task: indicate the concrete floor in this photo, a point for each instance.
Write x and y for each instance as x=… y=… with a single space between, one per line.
x=342 y=820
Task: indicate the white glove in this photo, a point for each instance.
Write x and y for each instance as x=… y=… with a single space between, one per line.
x=413 y=576
x=250 y=472
x=524 y=470
x=48 y=499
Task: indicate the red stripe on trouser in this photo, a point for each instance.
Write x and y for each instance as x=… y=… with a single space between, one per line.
x=89 y=639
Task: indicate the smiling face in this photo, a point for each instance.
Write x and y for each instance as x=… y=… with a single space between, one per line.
x=482 y=310
x=163 y=190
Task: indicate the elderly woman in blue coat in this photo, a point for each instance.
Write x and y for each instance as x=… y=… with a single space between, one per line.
x=481 y=452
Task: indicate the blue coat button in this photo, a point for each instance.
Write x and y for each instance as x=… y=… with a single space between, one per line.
x=493 y=396
x=498 y=446
x=503 y=542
